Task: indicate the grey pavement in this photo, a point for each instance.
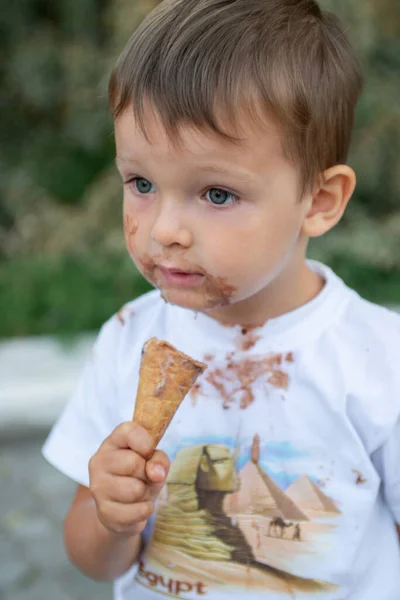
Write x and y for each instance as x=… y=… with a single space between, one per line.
x=33 y=500
x=37 y=375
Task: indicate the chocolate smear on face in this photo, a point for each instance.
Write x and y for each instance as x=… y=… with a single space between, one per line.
x=217 y=291
x=147 y=266
x=130 y=228
x=144 y=262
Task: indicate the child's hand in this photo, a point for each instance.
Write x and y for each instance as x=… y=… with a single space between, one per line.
x=125 y=481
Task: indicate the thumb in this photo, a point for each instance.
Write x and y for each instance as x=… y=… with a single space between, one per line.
x=157 y=468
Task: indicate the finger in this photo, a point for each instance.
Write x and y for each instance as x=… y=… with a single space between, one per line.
x=128 y=490
x=121 y=517
x=157 y=467
x=134 y=436
x=126 y=463
x=154 y=490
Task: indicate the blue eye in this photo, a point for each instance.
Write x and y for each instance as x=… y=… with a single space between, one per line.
x=220 y=197
x=142 y=185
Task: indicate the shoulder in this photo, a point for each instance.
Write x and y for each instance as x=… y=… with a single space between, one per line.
x=368 y=348
x=372 y=333
x=138 y=309
x=371 y=325
x=368 y=335
x=132 y=325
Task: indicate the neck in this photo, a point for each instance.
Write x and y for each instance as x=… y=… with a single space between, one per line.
x=292 y=288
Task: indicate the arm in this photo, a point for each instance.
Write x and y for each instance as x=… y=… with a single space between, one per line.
x=95 y=550
x=398 y=530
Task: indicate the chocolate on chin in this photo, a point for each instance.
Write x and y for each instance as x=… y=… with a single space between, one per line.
x=166 y=376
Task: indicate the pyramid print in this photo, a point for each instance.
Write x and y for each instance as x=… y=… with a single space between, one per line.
x=308 y=496
x=259 y=494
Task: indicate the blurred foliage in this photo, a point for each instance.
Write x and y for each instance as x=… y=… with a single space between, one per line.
x=60 y=196
x=370 y=231
x=66 y=294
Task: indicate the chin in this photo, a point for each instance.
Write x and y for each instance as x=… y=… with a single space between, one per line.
x=191 y=300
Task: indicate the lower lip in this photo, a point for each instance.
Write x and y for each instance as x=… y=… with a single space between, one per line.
x=181 y=279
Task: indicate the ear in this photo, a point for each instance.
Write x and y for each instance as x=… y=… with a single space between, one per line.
x=328 y=203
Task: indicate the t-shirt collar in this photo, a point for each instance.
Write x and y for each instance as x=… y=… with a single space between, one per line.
x=281 y=333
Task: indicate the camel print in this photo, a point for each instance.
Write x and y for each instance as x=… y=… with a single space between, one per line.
x=278 y=526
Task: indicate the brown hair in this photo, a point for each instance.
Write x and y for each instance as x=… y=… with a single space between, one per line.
x=194 y=60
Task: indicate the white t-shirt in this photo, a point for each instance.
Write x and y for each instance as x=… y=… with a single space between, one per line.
x=285 y=476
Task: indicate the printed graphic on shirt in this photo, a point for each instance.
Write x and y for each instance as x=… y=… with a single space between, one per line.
x=225 y=525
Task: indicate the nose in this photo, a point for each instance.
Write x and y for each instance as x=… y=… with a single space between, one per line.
x=168 y=227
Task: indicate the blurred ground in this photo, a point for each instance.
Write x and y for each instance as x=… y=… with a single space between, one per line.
x=33 y=501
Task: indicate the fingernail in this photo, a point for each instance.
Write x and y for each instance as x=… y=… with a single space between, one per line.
x=159 y=471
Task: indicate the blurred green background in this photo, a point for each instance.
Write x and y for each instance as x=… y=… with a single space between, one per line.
x=63 y=267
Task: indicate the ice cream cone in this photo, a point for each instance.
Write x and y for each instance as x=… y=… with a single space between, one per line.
x=166 y=376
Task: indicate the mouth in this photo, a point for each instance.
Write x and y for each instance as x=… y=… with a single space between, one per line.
x=180 y=277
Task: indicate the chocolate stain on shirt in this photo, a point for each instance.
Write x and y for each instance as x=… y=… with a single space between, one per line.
x=236 y=378
x=248 y=339
x=360 y=479
x=120 y=313
x=194 y=392
x=120 y=317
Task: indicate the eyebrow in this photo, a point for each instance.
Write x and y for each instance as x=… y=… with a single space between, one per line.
x=222 y=171
x=237 y=175
x=242 y=178
x=120 y=159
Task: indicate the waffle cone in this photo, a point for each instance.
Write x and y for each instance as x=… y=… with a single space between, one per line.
x=166 y=376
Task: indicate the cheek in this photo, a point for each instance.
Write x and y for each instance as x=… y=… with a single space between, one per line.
x=131 y=226
x=242 y=253
x=141 y=259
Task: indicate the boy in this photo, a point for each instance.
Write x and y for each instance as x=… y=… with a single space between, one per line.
x=278 y=477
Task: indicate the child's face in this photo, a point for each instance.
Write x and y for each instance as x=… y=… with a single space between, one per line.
x=215 y=225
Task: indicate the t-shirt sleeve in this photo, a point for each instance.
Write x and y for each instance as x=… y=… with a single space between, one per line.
x=87 y=419
x=387 y=462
